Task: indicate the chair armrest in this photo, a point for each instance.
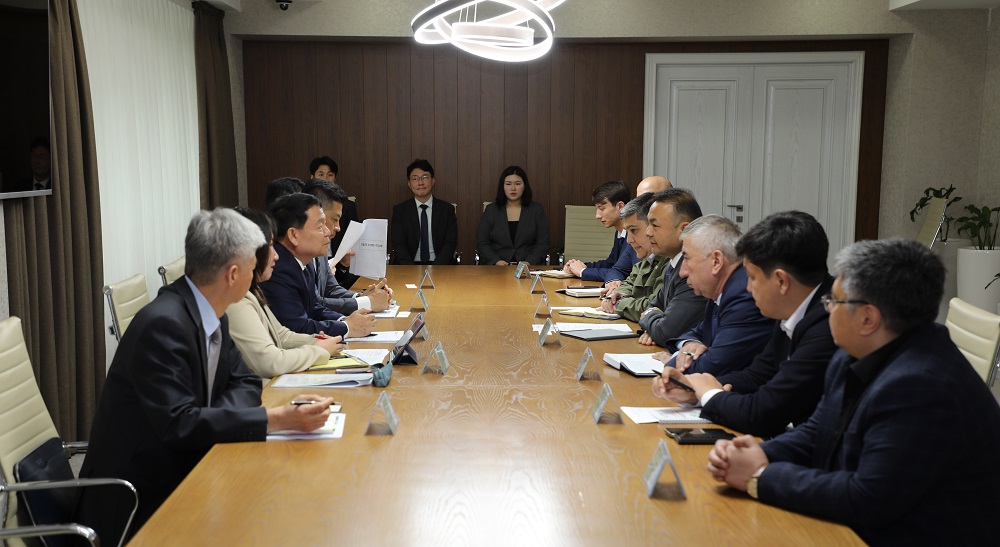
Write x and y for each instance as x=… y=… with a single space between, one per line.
x=50 y=530
x=75 y=447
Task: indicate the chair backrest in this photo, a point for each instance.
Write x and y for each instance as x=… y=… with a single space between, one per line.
x=171 y=272
x=586 y=238
x=486 y=204
x=125 y=299
x=24 y=420
x=933 y=218
x=976 y=332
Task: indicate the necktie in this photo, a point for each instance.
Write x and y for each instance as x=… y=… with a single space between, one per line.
x=214 y=345
x=317 y=264
x=669 y=272
x=425 y=240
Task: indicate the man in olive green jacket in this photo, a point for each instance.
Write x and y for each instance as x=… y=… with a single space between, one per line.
x=632 y=296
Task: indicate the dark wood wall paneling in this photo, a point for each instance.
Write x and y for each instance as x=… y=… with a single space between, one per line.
x=573 y=119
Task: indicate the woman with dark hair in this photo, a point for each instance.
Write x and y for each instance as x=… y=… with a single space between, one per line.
x=268 y=348
x=513 y=227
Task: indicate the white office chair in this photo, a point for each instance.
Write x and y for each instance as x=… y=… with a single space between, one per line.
x=586 y=238
x=125 y=299
x=976 y=332
x=171 y=272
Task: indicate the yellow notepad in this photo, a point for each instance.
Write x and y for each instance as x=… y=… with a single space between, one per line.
x=339 y=362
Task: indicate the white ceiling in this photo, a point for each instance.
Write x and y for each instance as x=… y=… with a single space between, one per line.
x=941 y=4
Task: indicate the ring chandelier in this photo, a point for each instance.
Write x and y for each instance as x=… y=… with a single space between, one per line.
x=505 y=37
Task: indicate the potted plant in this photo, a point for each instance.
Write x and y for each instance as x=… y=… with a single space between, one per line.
x=945 y=246
x=977 y=263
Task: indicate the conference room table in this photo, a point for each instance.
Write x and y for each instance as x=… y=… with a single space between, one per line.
x=500 y=450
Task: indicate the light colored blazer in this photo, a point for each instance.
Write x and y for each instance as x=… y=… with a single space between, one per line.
x=269 y=348
x=531 y=241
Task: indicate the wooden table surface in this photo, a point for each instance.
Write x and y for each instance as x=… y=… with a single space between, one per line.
x=500 y=451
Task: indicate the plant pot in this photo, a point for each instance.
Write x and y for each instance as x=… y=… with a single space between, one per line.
x=948 y=251
x=975 y=269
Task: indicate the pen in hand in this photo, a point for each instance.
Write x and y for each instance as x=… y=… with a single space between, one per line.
x=308 y=402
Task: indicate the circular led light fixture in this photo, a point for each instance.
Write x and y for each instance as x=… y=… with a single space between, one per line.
x=500 y=38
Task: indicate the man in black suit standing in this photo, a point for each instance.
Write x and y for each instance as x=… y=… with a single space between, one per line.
x=785 y=260
x=178 y=384
x=424 y=229
x=903 y=444
x=676 y=308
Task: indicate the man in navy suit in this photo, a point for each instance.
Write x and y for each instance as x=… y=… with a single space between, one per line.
x=609 y=198
x=785 y=260
x=732 y=330
x=424 y=229
x=902 y=447
x=178 y=384
x=302 y=235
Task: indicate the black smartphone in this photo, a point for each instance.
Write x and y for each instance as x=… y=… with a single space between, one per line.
x=698 y=435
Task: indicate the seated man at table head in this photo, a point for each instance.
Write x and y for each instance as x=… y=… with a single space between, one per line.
x=178 y=385
x=653 y=184
x=280 y=187
x=324 y=167
x=329 y=291
x=301 y=236
x=676 y=308
x=902 y=447
x=513 y=228
x=785 y=260
x=609 y=198
x=632 y=296
x=424 y=229
x=732 y=330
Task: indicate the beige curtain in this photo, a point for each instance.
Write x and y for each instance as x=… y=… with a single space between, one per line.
x=54 y=245
x=216 y=143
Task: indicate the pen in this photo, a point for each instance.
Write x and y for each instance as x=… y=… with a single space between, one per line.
x=308 y=402
x=681 y=385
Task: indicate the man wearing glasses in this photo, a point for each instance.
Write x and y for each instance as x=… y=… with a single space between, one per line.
x=902 y=447
x=424 y=229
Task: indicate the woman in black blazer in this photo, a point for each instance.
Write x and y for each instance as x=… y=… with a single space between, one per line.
x=513 y=227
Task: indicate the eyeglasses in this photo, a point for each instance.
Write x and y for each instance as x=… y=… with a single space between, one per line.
x=828 y=301
x=415 y=178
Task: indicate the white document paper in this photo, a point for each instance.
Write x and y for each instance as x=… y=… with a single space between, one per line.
x=351 y=237
x=371 y=250
x=332 y=429
x=664 y=415
x=411 y=286
x=567 y=327
x=367 y=356
x=387 y=314
x=390 y=336
x=323 y=380
x=638 y=363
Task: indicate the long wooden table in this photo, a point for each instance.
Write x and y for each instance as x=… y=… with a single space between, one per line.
x=500 y=451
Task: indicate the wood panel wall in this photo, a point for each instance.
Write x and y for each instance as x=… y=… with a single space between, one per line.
x=572 y=120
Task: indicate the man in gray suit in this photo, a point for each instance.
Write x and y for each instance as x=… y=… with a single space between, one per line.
x=676 y=308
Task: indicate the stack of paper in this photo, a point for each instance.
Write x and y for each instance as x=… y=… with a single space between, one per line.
x=552 y=273
x=637 y=364
x=588 y=292
x=389 y=336
x=665 y=415
x=332 y=429
x=323 y=380
x=593 y=313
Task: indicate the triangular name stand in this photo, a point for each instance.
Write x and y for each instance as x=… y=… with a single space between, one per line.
x=419 y=301
x=426 y=281
x=537 y=285
x=587 y=369
x=425 y=333
x=605 y=410
x=437 y=361
x=384 y=420
x=661 y=457
x=522 y=269
x=548 y=328
x=543 y=309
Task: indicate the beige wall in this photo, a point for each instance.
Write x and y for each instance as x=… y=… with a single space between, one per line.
x=937 y=128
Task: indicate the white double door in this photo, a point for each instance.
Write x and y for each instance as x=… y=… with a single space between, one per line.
x=753 y=134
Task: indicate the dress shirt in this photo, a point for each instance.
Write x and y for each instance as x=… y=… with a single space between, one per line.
x=209 y=321
x=430 y=224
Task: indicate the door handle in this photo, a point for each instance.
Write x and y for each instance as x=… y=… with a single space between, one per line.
x=739 y=209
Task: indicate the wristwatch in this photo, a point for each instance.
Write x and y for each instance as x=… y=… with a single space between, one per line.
x=752 y=481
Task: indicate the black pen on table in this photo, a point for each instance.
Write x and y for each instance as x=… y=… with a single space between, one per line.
x=308 y=402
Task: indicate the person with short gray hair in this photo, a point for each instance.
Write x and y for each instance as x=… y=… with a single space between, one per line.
x=178 y=385
x=902 y=446
x=732 y=330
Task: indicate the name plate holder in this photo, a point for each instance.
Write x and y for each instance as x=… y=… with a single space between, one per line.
x=543 y=309
x=437 y=361
x=661 y=457
x=537 y=285
x=424 y=332
x=419 y=301
x=601 y=412
x=384 y=420
x=587 y=368
x=548 y=328
x=522 y=268
x=426 y=281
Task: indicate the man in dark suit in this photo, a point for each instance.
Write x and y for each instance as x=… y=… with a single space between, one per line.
x=903 y=444
x=178 y=384
x=732 y=330
x=676 y=308
x=609 y=198
x=785 y=260
x=302 y=235
x=424 y=229
x=324 y=167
